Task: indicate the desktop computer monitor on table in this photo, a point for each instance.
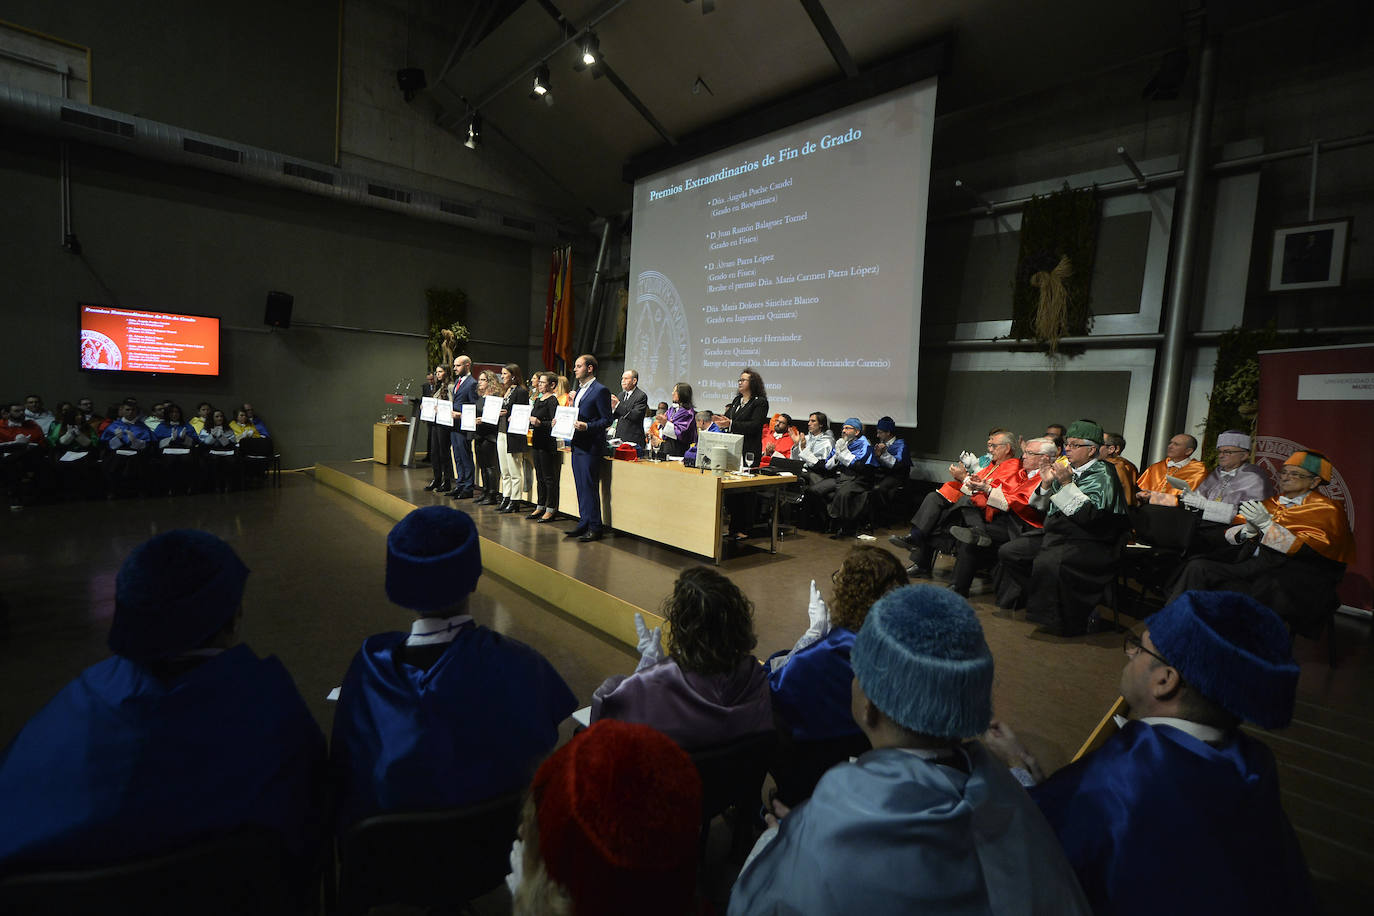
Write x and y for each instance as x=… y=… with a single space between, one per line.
x=720 y=451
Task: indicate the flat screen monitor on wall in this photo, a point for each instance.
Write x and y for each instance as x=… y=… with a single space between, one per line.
x=115 y=339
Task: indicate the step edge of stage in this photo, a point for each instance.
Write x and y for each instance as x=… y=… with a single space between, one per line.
x=604 y=612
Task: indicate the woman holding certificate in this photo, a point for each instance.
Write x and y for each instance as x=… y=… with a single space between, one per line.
x=544 y=448
x=440 y=457
x=488 y=385
x=512 y=448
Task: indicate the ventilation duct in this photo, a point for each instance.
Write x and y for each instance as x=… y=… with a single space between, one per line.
x=83 y=123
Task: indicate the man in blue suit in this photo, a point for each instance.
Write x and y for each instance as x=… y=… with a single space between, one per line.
x=464 y=392
x=593 y=403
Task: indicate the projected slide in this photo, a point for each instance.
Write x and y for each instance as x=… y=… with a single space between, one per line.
x=798 y=254
x=125 y=340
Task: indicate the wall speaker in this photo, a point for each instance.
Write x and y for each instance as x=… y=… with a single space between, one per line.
x=278 y=313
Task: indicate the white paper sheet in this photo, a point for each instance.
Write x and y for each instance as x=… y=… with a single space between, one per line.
x=519 y=419
x=582 y=716
x=73 y=456
x=491 y=409
x=563 y=420
x=468 y=420
x=669 y=431
x=443 y=412
x=427 y=409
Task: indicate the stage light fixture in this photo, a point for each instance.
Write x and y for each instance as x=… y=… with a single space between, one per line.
x=591 y=49
x=474 y=139
x=541 y=82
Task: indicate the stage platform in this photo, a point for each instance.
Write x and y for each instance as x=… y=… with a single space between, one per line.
x=1053 y=690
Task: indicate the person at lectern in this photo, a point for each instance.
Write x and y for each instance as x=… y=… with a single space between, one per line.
x=451 y=713
x=593 y=403
x=746 y=416
x=440 y=453
x=630 y=408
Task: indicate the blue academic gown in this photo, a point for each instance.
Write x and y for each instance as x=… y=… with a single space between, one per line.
x=588 y=448
x=1156 y=808
x=461 y=442
x=121 y=764
x=136 y=430
x=811 y=693
x=895 y=834
x=475 y=725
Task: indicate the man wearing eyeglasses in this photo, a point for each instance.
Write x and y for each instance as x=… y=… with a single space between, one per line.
x=1061 y=575
x=1295 y=546
x=1180 y=797
x=1233 y=481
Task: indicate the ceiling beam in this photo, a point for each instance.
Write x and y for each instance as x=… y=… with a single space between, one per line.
x=826 y=29
x=909 y=67
x=605 y=70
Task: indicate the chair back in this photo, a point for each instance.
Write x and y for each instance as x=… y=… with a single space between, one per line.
x=246 y=871
x=798 y=765
x=732 y=773
x=428 y=858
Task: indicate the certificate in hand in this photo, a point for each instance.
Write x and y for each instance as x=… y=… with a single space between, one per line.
x=427 y=409
x=491 y=409
x=1178 y=483
x=443 y=412
x=563 y=420
x=469 y=418
x=668 y=431
x=519 y=419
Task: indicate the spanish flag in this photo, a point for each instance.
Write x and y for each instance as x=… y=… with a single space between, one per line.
x=558 y=312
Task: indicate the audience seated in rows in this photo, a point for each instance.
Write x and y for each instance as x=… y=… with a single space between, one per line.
x=82 y=453
x=708 y=688
x=182 y=733
x=451 y=713
x=1180 y=797
x=927 y=821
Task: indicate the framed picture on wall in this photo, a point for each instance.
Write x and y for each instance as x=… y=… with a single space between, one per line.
x=1309 y=255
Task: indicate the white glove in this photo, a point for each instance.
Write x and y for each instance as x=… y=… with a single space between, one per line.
x=650 y=644
x=1250 y=531
x=21 y=438
x=818 y=616
x=970 y=461
x=1254 y=513
x=1192 y=499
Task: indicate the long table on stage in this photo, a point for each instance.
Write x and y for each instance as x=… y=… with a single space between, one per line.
x=667 y=502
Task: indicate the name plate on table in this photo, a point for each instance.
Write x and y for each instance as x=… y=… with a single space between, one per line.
x=491 y=410
x=563 y=420
x=519 y=419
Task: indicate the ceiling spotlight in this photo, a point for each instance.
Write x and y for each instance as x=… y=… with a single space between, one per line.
x=474 y=139
x=591 y=49
x=541 y=82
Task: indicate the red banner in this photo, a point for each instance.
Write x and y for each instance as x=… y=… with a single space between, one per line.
x=1322 y=399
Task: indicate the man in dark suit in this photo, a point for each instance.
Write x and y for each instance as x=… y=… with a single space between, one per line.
x=593 y=403
x=464 y=392
x=630 y=409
